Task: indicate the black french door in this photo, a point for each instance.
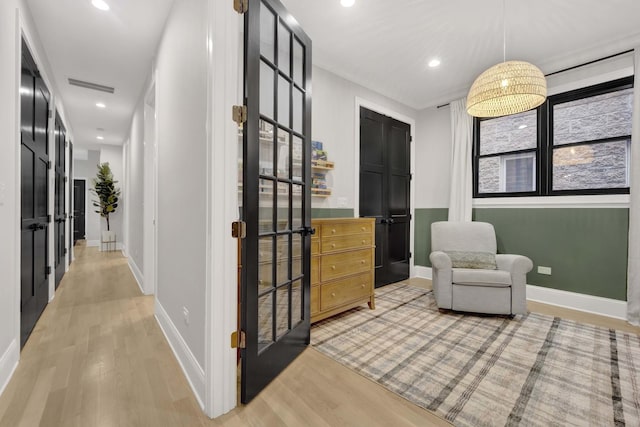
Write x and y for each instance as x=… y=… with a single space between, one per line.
x=34 y=154
x=385 y=184
x=60 y=214
x=275 y=290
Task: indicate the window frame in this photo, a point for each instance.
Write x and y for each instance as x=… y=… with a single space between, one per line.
x=544 y=150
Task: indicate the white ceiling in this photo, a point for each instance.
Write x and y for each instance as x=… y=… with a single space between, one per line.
x=385 y=45
x=113 y=48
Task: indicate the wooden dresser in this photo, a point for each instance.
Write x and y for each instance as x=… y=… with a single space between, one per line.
x=342 y=265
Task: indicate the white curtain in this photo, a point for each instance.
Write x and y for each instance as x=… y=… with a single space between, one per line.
x=633 y=272
x=461 y=194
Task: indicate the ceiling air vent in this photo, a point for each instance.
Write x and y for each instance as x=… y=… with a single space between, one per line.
x=89 y=85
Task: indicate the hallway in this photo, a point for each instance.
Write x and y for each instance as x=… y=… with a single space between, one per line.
x=97 y=357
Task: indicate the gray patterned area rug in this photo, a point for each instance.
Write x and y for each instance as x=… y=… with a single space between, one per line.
x=488 y=371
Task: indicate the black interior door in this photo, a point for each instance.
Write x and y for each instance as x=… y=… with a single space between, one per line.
x=79 y=188
x=60 y=214
x=275 y=290
x=385 y=183
x=34 y=129
x=70 y=246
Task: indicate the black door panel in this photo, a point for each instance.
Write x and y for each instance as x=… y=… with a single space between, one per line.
x=79 y=188
x=60 y=215
x=276 y=197
x=34 y=274
x=385 y=183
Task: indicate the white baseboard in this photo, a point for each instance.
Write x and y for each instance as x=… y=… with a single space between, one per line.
x=136 y=273
x=186 y=359
x=93 y=243
x=581 y=302
x=8 y=364
x=423 y=272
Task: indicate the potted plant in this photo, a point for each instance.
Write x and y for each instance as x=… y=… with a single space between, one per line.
x=108 y=195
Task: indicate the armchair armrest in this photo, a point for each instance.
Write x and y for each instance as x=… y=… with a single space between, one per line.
x=515 y=264
x=440 y=260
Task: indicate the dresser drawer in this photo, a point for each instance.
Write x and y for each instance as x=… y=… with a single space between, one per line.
x=340 y=243
x=315 y=299
x=344 y=291
x=342 y=228
x=315 y=246
x=315 y=269
x=337 y=265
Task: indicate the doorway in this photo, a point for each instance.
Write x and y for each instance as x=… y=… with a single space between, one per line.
x=60 y=214
x=385 y=191
x=34 y=239
x=79 y=226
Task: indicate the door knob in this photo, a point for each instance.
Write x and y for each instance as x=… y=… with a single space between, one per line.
x=390 y=221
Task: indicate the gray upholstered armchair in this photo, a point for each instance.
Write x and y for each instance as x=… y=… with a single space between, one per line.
x=468 y=275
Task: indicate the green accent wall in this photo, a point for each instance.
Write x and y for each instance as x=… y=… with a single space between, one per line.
x=331 y=213
x=422 y=230
x=586 y=248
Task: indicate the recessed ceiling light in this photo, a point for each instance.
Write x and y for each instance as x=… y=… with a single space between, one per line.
x=434 y=62
x=100 y=4
x=522 y=127
x=101 y=105
x=100 y=137
x=347 y=3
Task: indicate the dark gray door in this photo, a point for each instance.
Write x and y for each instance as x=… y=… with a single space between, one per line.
x=385 y=183
x=276 y=253
x=34 y=128
x=79 y=188
x=60 y=213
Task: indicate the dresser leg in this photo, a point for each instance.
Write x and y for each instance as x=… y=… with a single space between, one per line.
x=372 y=302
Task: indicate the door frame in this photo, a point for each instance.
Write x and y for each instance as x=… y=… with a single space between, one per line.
x=225 y=83
x=150 y=190
x=361 y=102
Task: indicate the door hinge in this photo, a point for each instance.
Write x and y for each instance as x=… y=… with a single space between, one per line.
x=50 y=113
x=410 y=217
x=238 y=229
x=65 y=251
x=410 y=139
x=239 y=114
x=48 y=164
x=48 y=270
x=66 y=178
x=241 y=6
x=48 y=219
x=410 y=177
x=410 y=255
x=238 y=339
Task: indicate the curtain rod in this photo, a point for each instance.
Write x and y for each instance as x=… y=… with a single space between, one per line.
x=569 y=68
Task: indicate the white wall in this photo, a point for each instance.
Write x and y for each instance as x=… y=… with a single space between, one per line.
x=9 y=193
x=333 y=123
x=181 y=105
x=433 y=158
x=135 y=184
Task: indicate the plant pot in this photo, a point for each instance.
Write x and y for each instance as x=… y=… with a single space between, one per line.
x=108 y=241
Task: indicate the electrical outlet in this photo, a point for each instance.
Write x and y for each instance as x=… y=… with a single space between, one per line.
x=544 y=270
x=185 y=312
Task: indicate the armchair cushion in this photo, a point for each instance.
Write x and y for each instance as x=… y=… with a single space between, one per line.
x=472 y=259
x=471 y=276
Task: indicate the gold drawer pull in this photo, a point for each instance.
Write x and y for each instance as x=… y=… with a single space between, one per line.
x=333 y=245
x=363 y=242
x=362 y=261
x=333 y=294
x=362 y=286
x=363 y=228
x=333 y=267
x=333 y=231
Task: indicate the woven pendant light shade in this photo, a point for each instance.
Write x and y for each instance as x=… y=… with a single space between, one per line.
x=507 y=88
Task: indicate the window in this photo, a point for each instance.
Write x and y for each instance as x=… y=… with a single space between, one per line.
x=576 y=143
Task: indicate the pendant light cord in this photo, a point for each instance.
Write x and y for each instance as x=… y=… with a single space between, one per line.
x=504 y=31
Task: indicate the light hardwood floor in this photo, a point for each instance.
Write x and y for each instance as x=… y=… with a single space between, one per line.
x=98 y=358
